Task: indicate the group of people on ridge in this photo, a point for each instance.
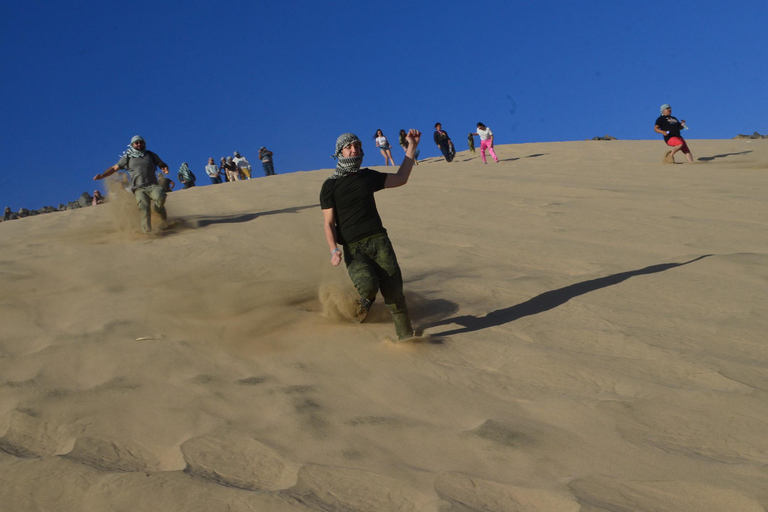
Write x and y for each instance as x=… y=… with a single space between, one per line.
x=238 y=167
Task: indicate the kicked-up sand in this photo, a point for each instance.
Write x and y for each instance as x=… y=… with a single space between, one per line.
x=593 y=339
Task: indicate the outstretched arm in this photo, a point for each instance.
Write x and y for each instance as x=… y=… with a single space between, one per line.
x=109 y=172
x=402 y=175
x=329 y=226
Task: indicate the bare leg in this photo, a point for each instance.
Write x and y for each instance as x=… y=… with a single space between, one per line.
x=389 y=154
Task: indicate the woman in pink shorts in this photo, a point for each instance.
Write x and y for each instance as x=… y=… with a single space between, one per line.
x=670 y=127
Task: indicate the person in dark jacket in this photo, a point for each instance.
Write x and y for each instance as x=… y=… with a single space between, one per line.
x=444 y=143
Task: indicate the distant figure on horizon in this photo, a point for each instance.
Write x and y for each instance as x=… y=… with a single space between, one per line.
x=669 y=127
x=141 y=164
x=230 y=168
x=444 y=143
x=243 y=166
x=350 y=218
x=186 y=176
x=486 y=141
x=267 y=164
x=386 y=150
x=97 y=198
x=404 y=145
x=7 y=213
x=213 y=172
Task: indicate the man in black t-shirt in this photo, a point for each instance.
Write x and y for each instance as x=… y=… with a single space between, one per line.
x=669 y=127
x=352 y=220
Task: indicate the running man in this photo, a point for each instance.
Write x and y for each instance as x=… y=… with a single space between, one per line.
x=352 y=221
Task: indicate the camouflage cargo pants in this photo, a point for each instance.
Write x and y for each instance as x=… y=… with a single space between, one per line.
x=372 y=266
x=145 y=195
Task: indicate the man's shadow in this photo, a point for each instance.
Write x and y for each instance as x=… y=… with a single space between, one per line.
x=546 y=301
x=203 y=221
x=710 y=158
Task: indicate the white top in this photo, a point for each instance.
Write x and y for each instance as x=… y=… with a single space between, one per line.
x=242 y=163
x=381 y=141
x=485 y=134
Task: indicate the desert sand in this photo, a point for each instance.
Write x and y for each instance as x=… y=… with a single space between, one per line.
x=594 y=339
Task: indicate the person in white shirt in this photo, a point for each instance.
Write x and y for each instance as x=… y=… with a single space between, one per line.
x=386 y=150
x=486 y=141
x=243 y=166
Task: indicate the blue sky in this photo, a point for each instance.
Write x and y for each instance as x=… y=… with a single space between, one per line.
x=200 y=79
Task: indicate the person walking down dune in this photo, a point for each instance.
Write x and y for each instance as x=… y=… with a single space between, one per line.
x=486 y=141
x=386 y=150
x=141 y=164
x=444 y=143
x=668 y=126
x=352 y=220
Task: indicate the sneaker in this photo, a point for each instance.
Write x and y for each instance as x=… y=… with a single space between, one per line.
x=363 y=307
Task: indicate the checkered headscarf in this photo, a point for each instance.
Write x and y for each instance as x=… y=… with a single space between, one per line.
x=346 y=165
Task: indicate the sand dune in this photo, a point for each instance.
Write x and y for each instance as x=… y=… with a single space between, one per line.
x=594 y=327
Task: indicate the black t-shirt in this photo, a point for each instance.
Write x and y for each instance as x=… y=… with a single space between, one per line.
x=354 y=207
x=670 y=124
x=441 y=137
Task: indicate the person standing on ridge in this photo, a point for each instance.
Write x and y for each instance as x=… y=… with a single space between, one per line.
x=267 y=164
x=141 y=164
x=186 y=176
x=213 y=172
x=352 y=220
x=243 y=166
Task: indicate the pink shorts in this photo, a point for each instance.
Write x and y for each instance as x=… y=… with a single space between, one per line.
x=678 y=141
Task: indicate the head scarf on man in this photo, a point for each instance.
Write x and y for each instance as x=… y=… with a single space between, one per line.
x=665 y=107
x=346 y=165
x=132 y=152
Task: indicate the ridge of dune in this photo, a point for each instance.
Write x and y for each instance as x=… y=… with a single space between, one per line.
x=594 y=322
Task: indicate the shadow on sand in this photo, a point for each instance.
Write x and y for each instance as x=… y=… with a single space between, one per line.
x=710 y=158
x=545 y=301
x=203 y=221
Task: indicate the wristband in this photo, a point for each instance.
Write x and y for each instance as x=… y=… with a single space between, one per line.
x=335 y=251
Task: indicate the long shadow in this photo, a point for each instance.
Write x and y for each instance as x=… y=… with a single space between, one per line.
x=547 y=300
x=202 y=221
x=710 y=158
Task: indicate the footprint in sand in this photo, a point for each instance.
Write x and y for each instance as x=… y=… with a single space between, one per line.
x=603 y=493
x=30 y=436
x=233 y=460
x=112 y=455
x=468 y=494
x=334 y=488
